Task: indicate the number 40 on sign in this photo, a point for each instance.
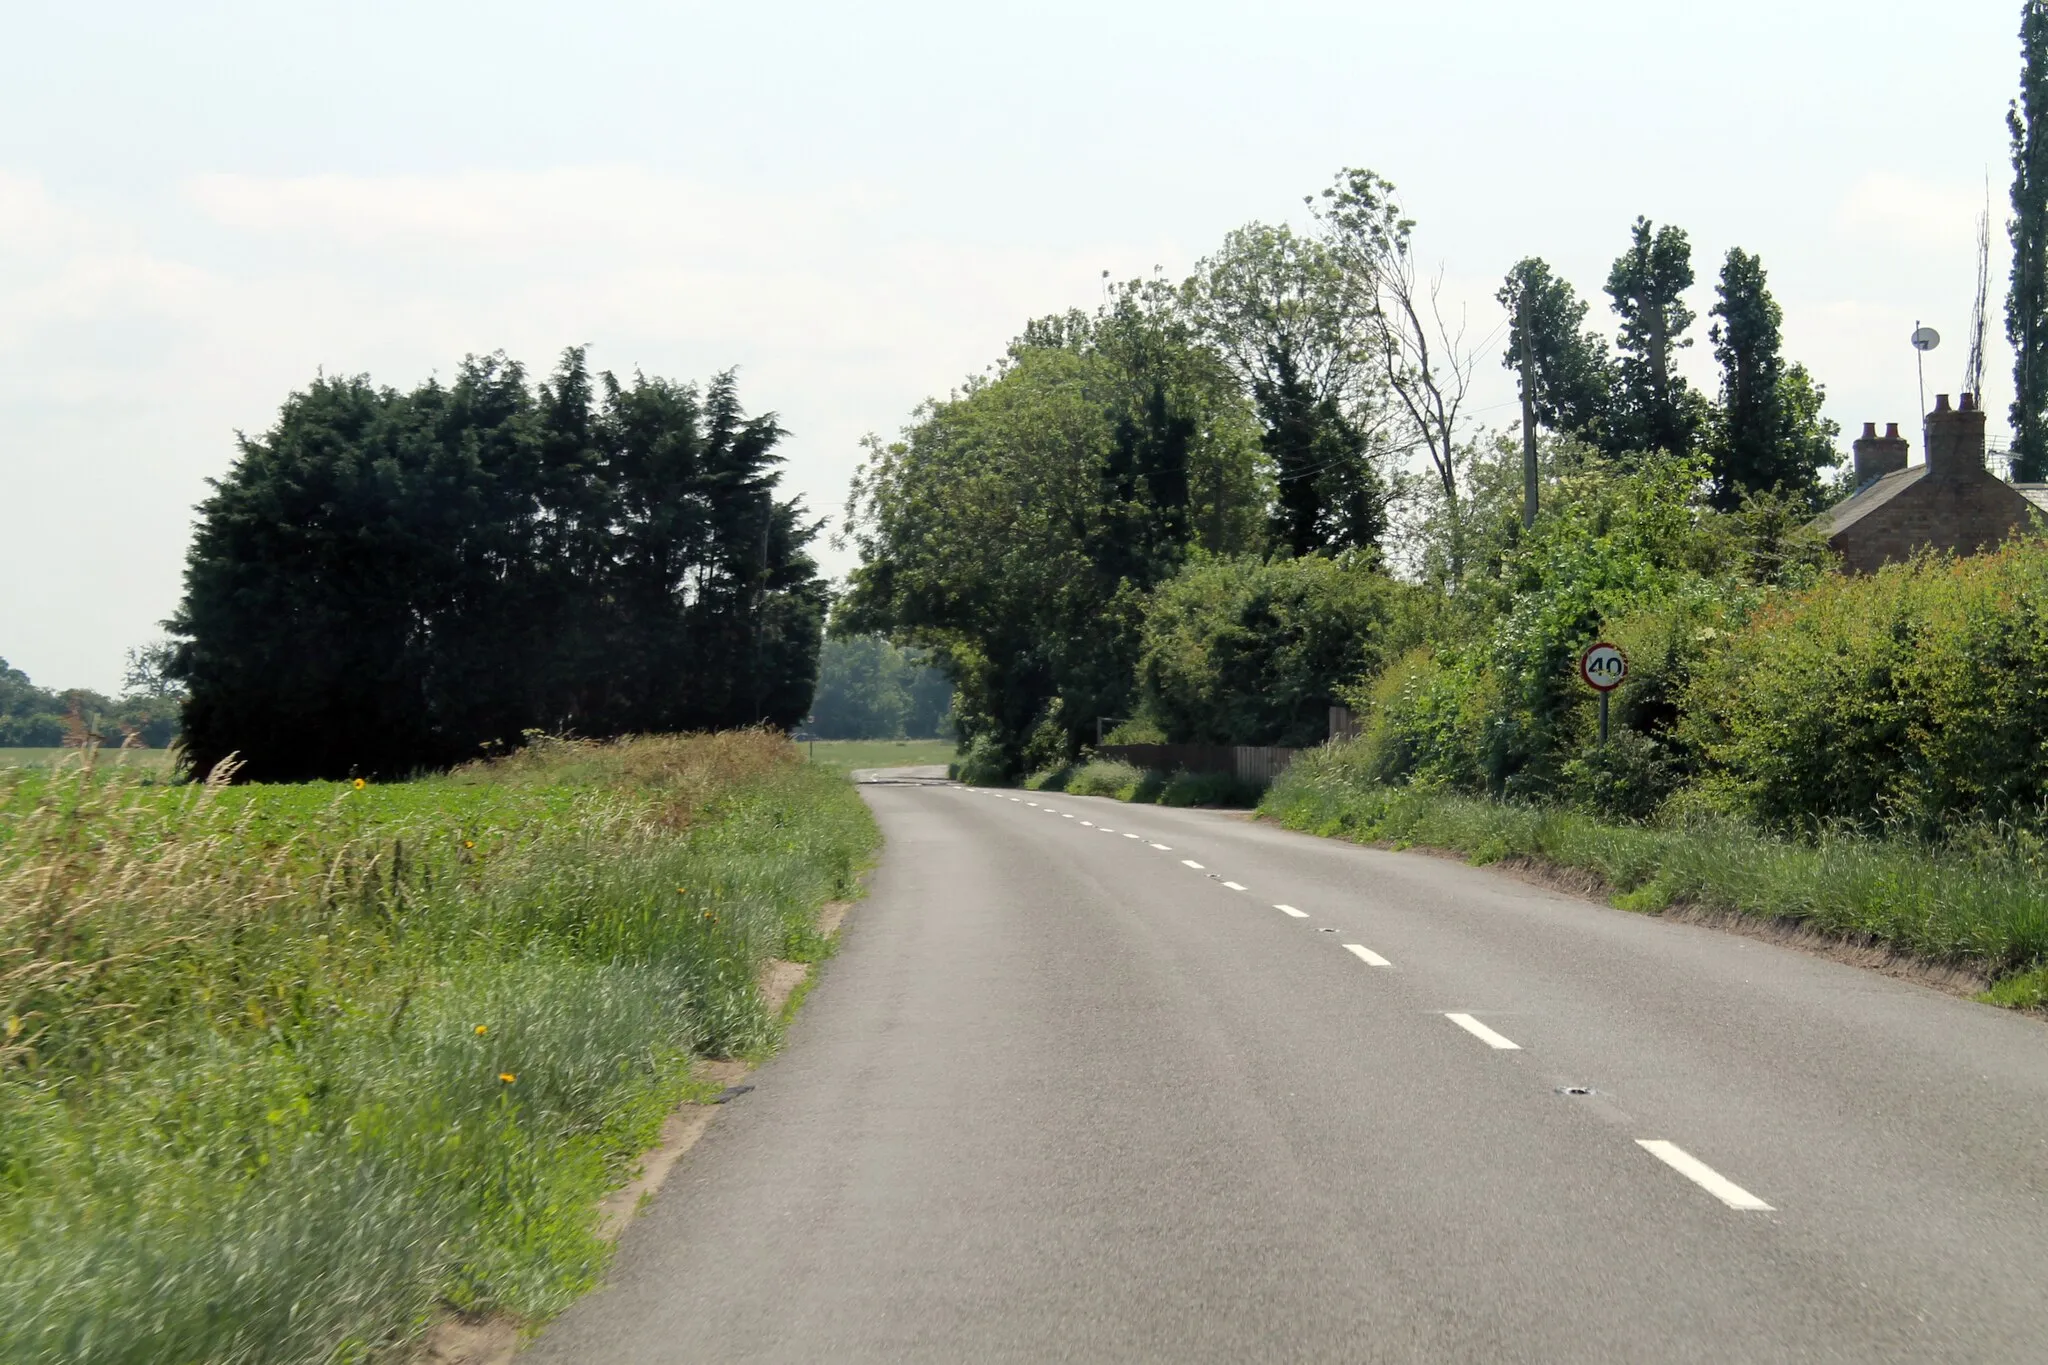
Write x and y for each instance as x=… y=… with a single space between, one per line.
x=1603 y=666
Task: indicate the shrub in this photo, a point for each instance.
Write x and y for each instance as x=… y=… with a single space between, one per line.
x=1915 y=698
x=983 y=764
x=1244 y=651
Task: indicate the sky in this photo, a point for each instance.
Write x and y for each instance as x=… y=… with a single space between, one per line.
x=204 y=205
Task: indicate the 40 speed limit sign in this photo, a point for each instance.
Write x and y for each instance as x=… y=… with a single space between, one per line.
x=1603 y=667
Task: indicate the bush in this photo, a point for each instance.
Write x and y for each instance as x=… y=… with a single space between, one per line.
x=1245 y=651
x=983 y=764
x=1915 y=698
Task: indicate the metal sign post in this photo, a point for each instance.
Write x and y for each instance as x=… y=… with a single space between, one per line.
x=1603 y=667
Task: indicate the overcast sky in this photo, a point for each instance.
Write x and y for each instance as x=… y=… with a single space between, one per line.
x=203 y=204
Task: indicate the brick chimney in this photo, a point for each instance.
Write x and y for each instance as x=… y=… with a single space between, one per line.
x=1877 y=456
x=1955 y=438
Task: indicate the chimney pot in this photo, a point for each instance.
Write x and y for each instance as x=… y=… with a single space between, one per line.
x=1876 y=456
x=1955 y=439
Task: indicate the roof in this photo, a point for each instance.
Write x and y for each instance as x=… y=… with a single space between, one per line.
x=2036 y=493
x=1869 y=498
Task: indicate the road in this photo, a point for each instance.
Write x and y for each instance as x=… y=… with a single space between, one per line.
x=1096 y=1082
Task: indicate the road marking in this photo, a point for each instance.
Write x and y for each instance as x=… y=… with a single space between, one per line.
x=1162 y=848
x=1483 y=1033
x=1234 y=886
x=1089 y=823
x=1373 y=959
x=1290 y=910
x=1702 y=1175
x=1130 y=836
x=1028 y=803
x=1104 y=828
x=1065 y=816
x=1190 y=862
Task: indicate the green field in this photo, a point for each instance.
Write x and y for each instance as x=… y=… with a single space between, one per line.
x=284 y=1068
x=142 y=760
x=848 y=754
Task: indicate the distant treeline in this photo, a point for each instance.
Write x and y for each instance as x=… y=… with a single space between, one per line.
x=869 y=688
x=386 y=582
x=34 y=717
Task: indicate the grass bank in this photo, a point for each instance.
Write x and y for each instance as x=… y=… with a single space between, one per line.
x=1128 y=782
x=285 y=1067
x=1982 y=905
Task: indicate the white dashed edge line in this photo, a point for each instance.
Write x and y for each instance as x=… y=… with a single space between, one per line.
x=1483 y=1033
x=1703 y=1175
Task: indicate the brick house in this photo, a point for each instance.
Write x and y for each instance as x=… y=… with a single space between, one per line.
x=1952 y=502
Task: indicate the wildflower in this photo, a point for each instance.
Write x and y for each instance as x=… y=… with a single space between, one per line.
x=481 y=1030
x=507 y=1077
x=469 y=843
x=360 y=784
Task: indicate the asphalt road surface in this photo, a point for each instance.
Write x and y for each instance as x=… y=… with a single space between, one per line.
x=1089 y=1081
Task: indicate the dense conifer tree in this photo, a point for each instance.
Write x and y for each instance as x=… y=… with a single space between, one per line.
x=388 y=581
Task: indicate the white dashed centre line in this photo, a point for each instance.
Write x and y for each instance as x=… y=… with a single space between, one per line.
x=1104 y=828
x=1236 y=887
x=1483 y=1033
x=1089 y=823
x=1162 y=848
x=1028 y=803
x=1190 y=862
x=1366 y=955
x=1290 y=910
x=1703 y=1175
x=1130 y=836
x=1065 y=816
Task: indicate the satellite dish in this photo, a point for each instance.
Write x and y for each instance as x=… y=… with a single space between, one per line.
x=1926 y=339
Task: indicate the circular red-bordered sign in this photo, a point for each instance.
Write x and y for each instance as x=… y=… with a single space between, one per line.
x=1603 y=666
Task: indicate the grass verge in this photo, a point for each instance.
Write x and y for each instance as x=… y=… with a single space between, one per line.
x=1983 y=908
x=848 y=754
x=286 y=1067
x=1128 y=782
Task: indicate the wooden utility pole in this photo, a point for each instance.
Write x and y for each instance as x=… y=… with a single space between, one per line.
x=1528 y=312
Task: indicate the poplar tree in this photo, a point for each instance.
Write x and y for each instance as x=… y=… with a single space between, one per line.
x=1768 y=433
x=1655 y=409
x=2026 y=303
x=1574 y=374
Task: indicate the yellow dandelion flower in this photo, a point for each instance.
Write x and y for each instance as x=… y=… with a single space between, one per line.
x=481 y=1030
x=360 y=784
x=507 y=1077
x=469 y=843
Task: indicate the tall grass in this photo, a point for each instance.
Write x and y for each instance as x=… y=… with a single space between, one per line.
x=285 y=1066
x=1981 y=903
